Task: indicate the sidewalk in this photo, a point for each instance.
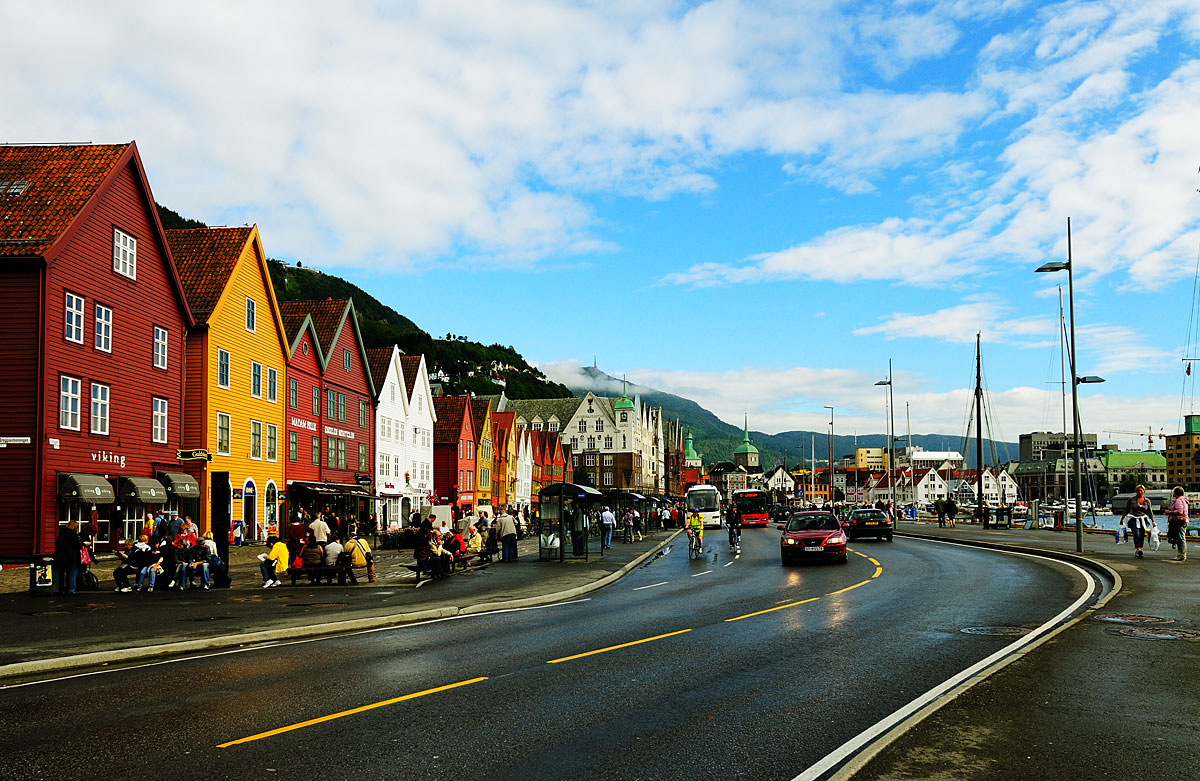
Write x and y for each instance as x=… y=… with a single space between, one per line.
x=42 y=632
x=1100 y=700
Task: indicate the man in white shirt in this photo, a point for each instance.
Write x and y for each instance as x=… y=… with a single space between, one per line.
x=320 y=529
x=608 y=522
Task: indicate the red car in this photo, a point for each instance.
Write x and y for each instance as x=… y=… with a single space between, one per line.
x=812 y=535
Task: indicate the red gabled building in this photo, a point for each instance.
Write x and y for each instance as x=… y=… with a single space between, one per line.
x=326 y=333
x=454 y=453
x=93 y=322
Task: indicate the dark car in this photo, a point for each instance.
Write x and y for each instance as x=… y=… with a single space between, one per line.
x=869 y=523
x=812 y=535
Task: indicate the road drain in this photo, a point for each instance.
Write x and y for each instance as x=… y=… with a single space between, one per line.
x=1143 y=633
x=996 y=631
x=1129 y=618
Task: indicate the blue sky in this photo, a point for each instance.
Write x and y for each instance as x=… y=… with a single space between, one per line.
x=754 y=205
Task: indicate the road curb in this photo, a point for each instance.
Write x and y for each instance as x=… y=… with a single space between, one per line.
x=863 y=758
x=309 y=631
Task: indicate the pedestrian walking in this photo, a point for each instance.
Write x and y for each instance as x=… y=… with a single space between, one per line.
x=67 y=547
x=940 y=507
x=1177 y=518
x=627 y=525
x=637 y=524
x=1140 y=515
x=608 y=522
x=951 y=512
x=506 y=530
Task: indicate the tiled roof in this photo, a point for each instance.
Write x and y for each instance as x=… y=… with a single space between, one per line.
x=44 y=188
x=293 y=314
x=206 y=258
x=377 y=360
x=564 y=409
x=450 y=410
x=411 y=365
x=327 y=316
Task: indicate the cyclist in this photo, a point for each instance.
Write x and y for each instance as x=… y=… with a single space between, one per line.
x=734 y=521
x=695 y=527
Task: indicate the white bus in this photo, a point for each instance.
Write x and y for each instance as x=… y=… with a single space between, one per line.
x=706 y=499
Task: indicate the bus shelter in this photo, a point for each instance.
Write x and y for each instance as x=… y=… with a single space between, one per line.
x=566 y=525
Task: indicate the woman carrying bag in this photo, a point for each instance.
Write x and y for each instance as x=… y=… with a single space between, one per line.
x=1141 y=516
x=1177 y=518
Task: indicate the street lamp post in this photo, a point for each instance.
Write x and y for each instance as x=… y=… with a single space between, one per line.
x=830 y=451
x=890 y=424
x=1076 y=381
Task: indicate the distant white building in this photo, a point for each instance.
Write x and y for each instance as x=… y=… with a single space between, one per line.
x=778 y=479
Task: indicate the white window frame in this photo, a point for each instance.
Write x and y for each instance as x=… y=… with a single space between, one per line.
x=272 y=442
x=162 y=339
x=98 y=417
x=228 y=368
x=73 y=317
x=124 y=254
x=346 y=359
x=104 y=326
x=160 y=410
x=228 y=433
x=272 y=385
x=256 y=378
x=68 y=403
x=256 y=440
x=251 y=315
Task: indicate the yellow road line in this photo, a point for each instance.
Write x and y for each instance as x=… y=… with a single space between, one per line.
x=847 y=588
x=876 y=563
x=878 y=572
x=350 y=712
x=615 y=647
x=773 y=609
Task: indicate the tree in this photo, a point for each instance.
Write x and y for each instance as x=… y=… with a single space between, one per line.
x=1131 y=480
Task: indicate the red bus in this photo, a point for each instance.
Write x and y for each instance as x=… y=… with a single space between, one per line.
x=753 y=506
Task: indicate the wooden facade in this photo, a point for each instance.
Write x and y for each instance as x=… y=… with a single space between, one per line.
x=454 y=453
x=94 y=320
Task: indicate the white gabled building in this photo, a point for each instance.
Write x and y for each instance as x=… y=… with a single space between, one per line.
x=523 y=484
x=418 y=473
x=391 y=441
x=779 y=480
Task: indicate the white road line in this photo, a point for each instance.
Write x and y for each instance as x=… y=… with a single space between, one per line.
x=723 y=566
x=879 y=728
x=652 y=585
x=705 y=572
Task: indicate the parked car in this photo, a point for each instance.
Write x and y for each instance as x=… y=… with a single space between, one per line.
x=869 y=523
x=812 y=535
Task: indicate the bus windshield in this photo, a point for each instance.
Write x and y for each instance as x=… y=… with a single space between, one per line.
x=704 y=501
x=752 y=502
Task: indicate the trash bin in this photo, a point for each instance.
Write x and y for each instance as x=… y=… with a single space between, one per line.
x=41 y=575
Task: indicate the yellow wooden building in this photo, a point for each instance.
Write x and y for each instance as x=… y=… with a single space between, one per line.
x=234 y=385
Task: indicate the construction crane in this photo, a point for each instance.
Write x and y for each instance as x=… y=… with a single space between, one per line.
x=1148 y=434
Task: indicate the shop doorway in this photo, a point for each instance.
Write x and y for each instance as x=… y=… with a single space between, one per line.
x=220 y=511
x=250 y=510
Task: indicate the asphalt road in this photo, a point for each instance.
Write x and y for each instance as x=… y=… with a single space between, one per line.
x=837 y=648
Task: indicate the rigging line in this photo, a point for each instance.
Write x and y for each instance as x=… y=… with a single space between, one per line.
x=1190 y=335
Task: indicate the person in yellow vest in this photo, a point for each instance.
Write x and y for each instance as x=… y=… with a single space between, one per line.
x=360 y=555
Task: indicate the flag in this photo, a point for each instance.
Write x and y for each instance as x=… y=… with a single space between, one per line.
x=1189 y=369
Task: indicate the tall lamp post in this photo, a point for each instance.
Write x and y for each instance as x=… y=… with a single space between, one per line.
x=830 y=451
x=890 y=424
x=1076 y=381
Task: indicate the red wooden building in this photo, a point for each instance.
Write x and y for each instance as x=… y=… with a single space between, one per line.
x=454 y=453
x=344 y=409
x=92 y=322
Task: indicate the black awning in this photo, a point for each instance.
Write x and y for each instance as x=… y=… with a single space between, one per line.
x=146 y=490
x=180 y=485
x=92 y=489
x=333 y=489
x=581 y=491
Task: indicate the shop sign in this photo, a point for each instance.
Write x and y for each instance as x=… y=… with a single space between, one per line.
x=308 y=425
x=193 y=455
x=108 y=457
x=339 y=432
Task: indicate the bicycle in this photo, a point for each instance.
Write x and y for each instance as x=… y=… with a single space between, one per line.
x=695 y=545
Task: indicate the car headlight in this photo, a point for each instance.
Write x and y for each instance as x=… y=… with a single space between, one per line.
x=789 y=541
x=836 y=539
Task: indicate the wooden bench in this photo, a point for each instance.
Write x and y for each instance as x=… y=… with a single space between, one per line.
x=425 y=565
x=326 y=572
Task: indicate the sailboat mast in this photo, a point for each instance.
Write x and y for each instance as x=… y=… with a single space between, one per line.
x=979 y=428
x=1062 y=350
